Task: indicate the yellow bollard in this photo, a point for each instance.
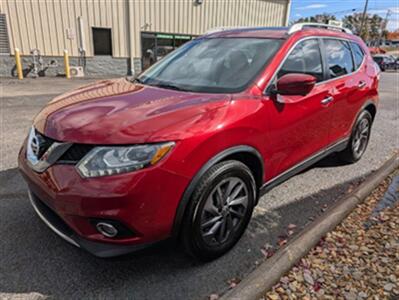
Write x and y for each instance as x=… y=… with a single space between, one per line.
x=18 y=64
x=66 y=64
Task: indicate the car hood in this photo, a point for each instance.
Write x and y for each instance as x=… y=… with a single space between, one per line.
x=121 y=112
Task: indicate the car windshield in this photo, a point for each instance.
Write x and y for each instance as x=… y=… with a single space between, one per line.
x=213 y=65
x=378 y=59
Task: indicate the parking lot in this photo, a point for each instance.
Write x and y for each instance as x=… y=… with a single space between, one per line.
x=33 y=259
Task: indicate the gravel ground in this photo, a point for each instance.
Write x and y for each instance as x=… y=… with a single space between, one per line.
x=358 y=260
x=33 y=259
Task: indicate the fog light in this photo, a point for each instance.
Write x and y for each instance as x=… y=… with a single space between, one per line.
x=106 y=229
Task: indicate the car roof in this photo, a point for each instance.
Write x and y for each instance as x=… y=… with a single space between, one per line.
x=249 y=32
x=275 y=32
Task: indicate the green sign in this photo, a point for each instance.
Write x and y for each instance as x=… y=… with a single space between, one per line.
x=183 y=37
x=164 y=36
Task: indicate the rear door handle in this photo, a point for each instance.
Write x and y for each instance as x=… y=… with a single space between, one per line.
x=361 y=84
x=327 y=100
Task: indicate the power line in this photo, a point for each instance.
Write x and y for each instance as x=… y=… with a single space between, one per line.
x=344 y=11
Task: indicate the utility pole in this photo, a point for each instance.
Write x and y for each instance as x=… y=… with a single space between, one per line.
x=384 y=26
x=364 y=17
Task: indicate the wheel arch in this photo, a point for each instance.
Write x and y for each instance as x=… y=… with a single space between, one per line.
x=369 y=106
x=248 y=155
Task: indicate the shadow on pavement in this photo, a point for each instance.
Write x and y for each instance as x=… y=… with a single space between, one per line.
x=34 y=259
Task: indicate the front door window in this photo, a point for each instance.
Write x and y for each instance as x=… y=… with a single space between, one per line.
x=305 y=58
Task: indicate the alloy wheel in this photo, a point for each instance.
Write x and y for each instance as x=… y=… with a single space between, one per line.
x=360 y=138
x=224 y=210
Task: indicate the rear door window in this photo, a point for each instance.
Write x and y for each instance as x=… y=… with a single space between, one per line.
x=339 y=57
x=358 y=55
x=305 y=58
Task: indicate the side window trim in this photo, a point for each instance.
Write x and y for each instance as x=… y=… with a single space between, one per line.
x=353 y=57
x=326 y=74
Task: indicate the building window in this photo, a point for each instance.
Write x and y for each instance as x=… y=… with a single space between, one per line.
x=4 y=42
x=154 y=46
x=102 y=41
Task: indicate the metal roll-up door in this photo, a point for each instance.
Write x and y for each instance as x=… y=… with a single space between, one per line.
x=4 y=42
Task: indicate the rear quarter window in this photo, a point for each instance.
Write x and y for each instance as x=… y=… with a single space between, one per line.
x=339 y=57
x=358 y=55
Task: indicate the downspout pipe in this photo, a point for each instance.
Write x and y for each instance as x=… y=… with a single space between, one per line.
x=130 y=30
x=82 y=39
x=287 y=13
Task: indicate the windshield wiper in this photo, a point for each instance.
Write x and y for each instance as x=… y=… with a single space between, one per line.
x=134 y=79
x=169 y=86
x=138 y=80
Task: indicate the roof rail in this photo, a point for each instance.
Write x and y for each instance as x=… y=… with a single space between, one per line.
x=300 y=26
x=224 y=28
x=254 y=28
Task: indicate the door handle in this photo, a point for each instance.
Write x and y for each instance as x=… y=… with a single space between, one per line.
x=327 y=100
x=361 y=84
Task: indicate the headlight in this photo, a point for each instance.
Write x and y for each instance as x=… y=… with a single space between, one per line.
x=102 y=161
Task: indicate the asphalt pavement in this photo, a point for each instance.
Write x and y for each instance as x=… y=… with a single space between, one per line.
x=34 y=259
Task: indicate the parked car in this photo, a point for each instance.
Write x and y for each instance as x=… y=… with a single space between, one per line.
x=376 y=50
x=186 y=149
x=386 y=62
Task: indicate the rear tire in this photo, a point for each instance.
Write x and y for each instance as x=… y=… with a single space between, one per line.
x=219 y=211
x=359 y=139
x=14 y=72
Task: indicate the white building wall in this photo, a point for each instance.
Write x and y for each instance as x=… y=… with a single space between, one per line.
x=44 y=24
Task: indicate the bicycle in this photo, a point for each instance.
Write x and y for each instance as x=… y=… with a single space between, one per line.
x=37 y=68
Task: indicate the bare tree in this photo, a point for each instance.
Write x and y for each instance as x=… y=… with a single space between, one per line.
x=323 y=18
x=372 y=27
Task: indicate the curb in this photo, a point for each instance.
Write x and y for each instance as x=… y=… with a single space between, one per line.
x=22 y=296
x=265 y=276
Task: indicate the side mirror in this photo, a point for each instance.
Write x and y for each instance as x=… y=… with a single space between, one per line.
x=295 y=84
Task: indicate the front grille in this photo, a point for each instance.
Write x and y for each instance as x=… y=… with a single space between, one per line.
x=72 y=156
x=75 y=153
x=45 y=143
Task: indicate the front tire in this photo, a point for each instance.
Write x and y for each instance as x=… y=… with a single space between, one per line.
x=359 y=139
x=219 y=211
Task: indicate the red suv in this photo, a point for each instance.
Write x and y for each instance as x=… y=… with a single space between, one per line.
x=186 y=149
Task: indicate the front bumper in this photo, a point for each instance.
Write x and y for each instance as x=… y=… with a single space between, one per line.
x=144 y=201
x=56 y=224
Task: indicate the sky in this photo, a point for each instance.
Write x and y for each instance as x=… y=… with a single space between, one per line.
x=340 y=8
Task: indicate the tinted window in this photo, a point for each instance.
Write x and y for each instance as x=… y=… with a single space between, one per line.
x=102 y=41
x=339 y=57
x=212 y=65
x=357 y=54
x=306 y=59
